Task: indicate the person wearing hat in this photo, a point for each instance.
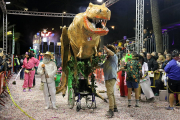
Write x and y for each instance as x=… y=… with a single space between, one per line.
x=29 y=63
x=133 y=67
x=110 y=76
x=47 y=69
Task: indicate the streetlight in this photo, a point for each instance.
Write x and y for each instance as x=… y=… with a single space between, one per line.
x=62 y=17
x=8 y=3
x=99 y=0
x=112 y=27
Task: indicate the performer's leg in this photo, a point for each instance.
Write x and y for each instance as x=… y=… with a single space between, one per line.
x=31 y=78
x=121 y=85
x=25 y=85
x=52 y=90
x=125 y=90
x=46 y=96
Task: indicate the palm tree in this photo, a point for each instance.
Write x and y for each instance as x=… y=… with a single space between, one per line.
x=156 y=25
x=9 y=37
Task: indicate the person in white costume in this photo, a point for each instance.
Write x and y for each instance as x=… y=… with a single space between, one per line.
x=146 y=85
x=47 y=69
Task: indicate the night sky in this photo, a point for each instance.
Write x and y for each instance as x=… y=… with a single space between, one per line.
x=122 y=17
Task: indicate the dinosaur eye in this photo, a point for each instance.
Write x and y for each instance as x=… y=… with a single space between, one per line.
x=107 y=10
x=100 y=10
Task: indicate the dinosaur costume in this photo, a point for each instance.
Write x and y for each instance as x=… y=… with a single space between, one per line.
x=82 y=38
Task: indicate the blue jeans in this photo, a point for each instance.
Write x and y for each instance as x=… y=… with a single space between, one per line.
x=22 y=73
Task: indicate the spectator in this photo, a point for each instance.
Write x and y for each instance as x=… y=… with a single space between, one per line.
x=22 y=71
x=154 y=55
x=158 y=75
x=160 y=61
x=149 y=95
x=118 y=53
x=173 y=69
x=133 y=77
x=152 y=65
x=168 y=58
x=16 y=64
x=166 y=52
x=144 y=52
x=145 y=34
x=160 y=53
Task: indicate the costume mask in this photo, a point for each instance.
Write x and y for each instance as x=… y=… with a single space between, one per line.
x=46 y=60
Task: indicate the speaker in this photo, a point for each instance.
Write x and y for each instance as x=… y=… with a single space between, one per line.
x=44 y=43
x=51 y=48
x=51 y=43
x=57 y=49
x=45 y=48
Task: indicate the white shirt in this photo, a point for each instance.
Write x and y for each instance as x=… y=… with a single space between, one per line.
x=50 y=69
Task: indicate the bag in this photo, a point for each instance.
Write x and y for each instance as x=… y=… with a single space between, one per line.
x=26 y=71
x=41 y=86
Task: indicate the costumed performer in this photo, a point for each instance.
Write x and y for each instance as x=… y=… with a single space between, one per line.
x=47 y=69
x=133 y=67
x=29 y=63
x=122 y=75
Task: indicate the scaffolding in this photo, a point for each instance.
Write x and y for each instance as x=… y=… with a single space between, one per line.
x=139 y=25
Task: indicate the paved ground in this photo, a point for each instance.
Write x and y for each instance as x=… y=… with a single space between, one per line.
x=33 y=104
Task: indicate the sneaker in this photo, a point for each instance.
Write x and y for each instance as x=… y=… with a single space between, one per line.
x=47 y=107
x=136 y=105
x=24 y=90
x=129 y=105
x=115 y=110
x=30 y=90
x=123 y=96
x=54 y=106
x=105 y=101
x=110 y=113
x=177 y=103
x=169 y=108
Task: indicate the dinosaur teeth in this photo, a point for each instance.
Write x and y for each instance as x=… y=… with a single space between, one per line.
x=94 y=25
x=97 y=21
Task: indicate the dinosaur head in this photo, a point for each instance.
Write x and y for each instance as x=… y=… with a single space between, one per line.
x=95 y=19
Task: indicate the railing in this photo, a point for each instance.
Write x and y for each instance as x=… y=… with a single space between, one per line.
x=150 y=44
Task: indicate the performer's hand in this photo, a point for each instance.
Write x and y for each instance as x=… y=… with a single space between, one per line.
x=152 y=72
x=143 y=77
x=105 y=48
x=43 y=65
x=47 y=76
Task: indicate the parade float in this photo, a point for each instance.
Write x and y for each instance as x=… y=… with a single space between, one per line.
x=80 y=43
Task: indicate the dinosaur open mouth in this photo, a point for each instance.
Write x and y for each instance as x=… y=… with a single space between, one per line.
x=98 y=23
